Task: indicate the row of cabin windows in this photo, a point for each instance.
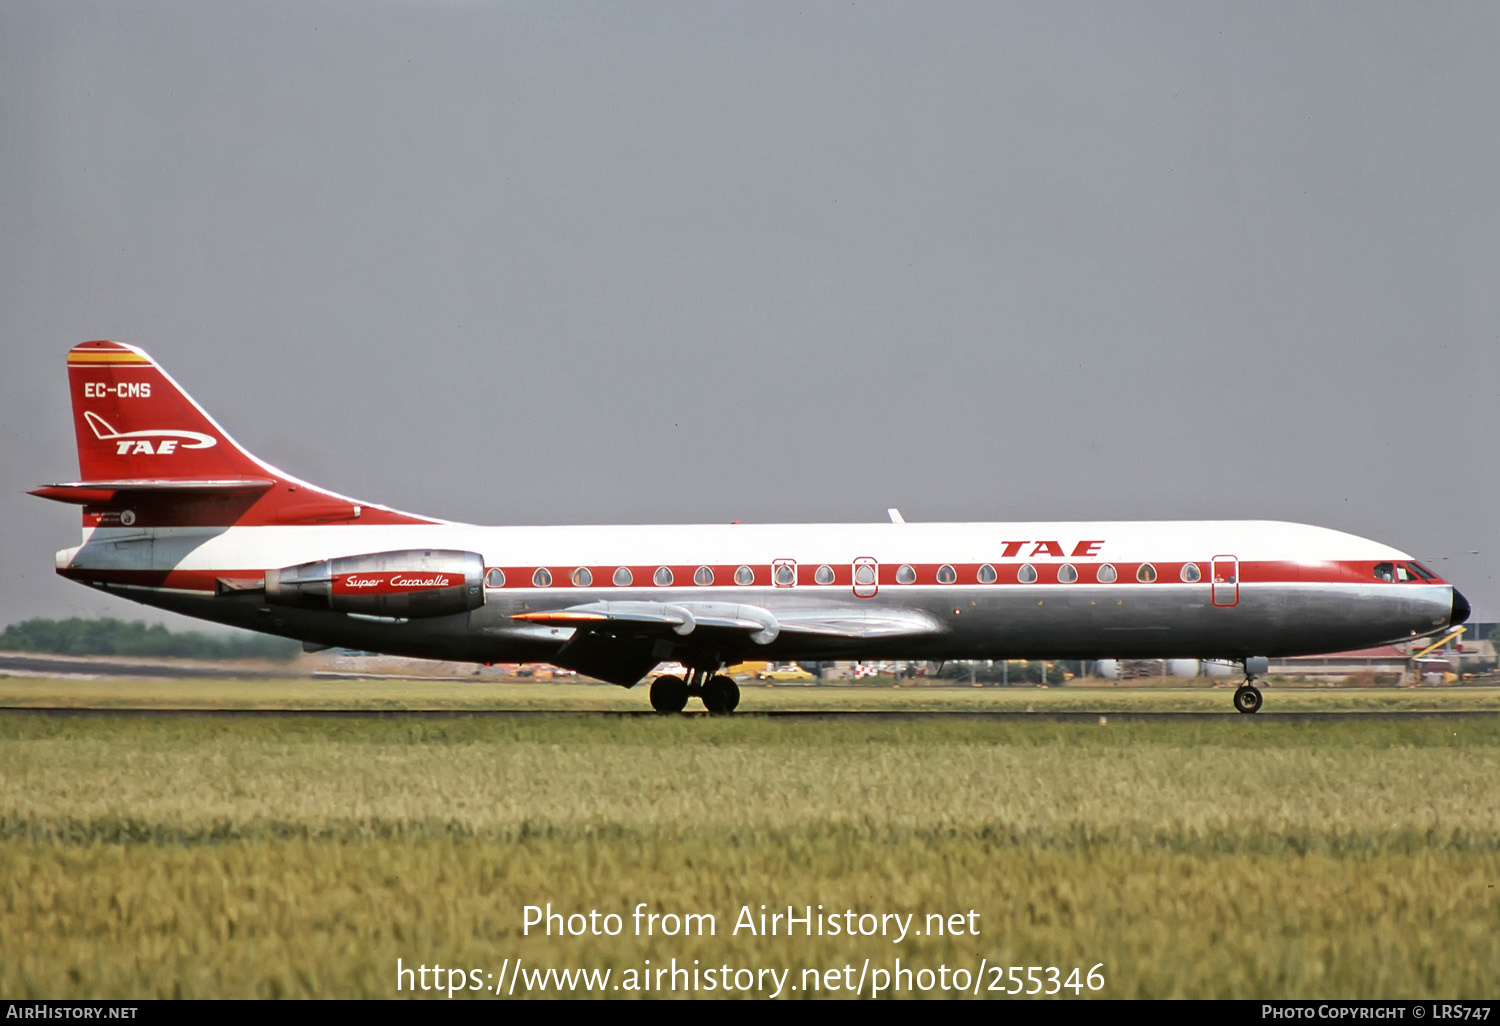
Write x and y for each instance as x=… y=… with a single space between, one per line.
x=1105 y=574
x=583 y=577
x=784 y=575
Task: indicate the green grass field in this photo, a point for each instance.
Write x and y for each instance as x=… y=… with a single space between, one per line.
x=203 y=857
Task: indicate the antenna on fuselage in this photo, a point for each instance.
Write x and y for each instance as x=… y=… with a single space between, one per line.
x=895 y=515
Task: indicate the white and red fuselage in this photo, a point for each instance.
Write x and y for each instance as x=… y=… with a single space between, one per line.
x=178 y=516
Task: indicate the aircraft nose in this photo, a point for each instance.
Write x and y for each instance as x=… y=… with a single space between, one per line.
x=1461 y=609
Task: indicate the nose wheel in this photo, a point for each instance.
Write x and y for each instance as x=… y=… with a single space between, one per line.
x=1247 y=698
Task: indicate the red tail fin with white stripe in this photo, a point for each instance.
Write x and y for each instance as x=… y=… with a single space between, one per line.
x=133 y=422
x=150 y=456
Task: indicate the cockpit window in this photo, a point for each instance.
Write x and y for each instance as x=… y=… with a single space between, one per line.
x=1421 y=571
x=1385 y=572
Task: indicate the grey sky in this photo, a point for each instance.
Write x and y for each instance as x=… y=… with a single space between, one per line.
x=548 y=263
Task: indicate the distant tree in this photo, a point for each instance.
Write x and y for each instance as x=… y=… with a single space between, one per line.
x=108 y=636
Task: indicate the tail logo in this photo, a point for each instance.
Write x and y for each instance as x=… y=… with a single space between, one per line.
x=131 y=443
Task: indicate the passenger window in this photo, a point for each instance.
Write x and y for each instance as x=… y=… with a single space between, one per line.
x=623 y=577
x=703 y=576
x=987 y=574
x=582 y=577
x=905 y=574
x=494 y=578
x=1027 y=574
x=1067 y=574
x=744 y=577
x=946 y=574
x=1385 y=572
x=542 y=578
x=1190 y=573
x=864 y=575
x=662 y=578
x=1106 y=574
x=1146 y=574
x=785 y=576
x=824 y=575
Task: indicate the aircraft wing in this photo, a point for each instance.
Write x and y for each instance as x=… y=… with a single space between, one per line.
x=621 y=641
x=860 y=623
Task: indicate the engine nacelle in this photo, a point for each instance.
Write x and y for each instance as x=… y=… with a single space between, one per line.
x=405 y=584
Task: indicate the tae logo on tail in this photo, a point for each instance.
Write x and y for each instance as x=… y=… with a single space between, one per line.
x=131 y=443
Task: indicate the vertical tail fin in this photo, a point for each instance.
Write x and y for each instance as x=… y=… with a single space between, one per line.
x=149 y=456
x=134 y=423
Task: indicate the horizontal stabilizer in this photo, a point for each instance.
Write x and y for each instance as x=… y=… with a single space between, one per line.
x=90 y=493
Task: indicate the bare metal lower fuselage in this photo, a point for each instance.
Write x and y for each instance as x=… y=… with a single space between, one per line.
x=1089 y=622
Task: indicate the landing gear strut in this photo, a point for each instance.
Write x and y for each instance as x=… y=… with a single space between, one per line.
x=1247 y=698
x=720 y=694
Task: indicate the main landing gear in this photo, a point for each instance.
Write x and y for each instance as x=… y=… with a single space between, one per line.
x=670 y=694
x=1247 y=698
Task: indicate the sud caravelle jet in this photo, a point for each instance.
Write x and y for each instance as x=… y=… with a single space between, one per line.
x=177 y=515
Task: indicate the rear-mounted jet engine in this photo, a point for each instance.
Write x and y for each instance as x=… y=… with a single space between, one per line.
x=411 y=583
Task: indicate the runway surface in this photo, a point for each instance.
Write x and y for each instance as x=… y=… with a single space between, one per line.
x=867 y=716
x=95 y=667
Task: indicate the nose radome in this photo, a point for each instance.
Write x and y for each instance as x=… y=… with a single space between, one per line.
x=1461 y=608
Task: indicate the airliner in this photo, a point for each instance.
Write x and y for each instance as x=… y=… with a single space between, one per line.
x=178 y=516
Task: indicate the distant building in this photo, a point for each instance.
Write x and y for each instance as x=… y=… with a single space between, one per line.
x=1472 y=651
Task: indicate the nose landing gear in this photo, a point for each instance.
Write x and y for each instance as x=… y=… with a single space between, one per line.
x=1247 y=697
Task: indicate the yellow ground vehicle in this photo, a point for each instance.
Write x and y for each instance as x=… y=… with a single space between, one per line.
x=789 y=673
